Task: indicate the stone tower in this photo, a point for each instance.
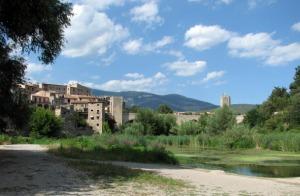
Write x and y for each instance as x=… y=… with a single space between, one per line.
x=225 y=101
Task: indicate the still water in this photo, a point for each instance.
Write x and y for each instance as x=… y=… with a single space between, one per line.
x=264 y=168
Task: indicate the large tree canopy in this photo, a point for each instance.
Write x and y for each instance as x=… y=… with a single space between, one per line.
x=30 y=26
x=34 y=25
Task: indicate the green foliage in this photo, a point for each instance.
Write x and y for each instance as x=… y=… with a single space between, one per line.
x=32 y=26
x=220 y=121
x=154 y=123
x=135 y=128
x=281 y=141
x=240 y=136
x=164 y=109
x=105 y=128
x=295 y=85
x=37 y=30
x=254 y=118
x=78 y=120
x=12 y=71
x=281 y=111
x=293 y=112
x=110 y=122
x=189 y=128
x=43 y=122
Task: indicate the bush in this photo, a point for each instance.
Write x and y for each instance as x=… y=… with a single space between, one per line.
x=135 y=128
x=240 y=136
x=155 y=123
x=43 y=122
x=105 y=128
x=222 y=120
x=282 y=141
x=188 y=128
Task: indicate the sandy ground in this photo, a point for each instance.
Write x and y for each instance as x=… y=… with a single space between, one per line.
x=29 y=170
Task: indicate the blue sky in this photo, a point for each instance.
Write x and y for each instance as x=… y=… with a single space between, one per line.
x=197 y=48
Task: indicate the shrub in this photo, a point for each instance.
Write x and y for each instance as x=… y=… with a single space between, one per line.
x=222 y=120
x=43 y=122
x=282 y=141
x=154 y=123
x=135 y=128
x=240 y=136
x=189 y=128
x=105 y=128
x=164 y=109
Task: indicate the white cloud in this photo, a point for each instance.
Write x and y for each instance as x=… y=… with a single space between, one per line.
x=213 y=75
x=138 y=84
x=252 y=45
x=137 y=46
x=147 y=13
x=296 y=27
x=213 y=2
x=178 y=54
x=264 y=47
x=106 y=61
x=134 y=75
x=91 y=32
x=185 y=68
x=133 y=46
x=202 y=37
x=254 y=3
x=284 y=54
x=166 y=40
x=37 y=68
x=102 y=4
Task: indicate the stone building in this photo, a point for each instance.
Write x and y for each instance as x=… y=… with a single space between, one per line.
x=96 y=116
x=76 y=98
x=225 y=101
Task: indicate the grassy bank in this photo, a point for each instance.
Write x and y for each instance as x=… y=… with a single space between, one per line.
x=119 y=175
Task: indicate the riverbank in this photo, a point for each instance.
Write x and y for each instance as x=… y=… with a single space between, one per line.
x=37 y=172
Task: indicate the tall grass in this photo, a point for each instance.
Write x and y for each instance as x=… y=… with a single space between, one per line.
x=236 y=138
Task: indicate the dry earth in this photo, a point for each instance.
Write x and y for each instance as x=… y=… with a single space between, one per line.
x=29 y=170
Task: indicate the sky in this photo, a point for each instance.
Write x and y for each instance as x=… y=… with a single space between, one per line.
x=196 y=48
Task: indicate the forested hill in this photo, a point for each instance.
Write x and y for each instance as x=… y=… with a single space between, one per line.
x=150 y=100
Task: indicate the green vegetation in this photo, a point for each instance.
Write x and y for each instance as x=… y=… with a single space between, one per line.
x=43 y=122
x=164 y=109
x=149 y=122
x=28 y=29
x=281 y=111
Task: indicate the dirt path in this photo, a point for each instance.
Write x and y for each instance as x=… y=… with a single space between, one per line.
x=29 y=170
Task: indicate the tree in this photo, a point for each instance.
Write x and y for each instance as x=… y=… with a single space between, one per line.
x=254 y=117
x=293 y=112
x=30 y=26
x=155 y=123
x=295 y=85
x=43 y=122
x=164 y=109
x=222 y=120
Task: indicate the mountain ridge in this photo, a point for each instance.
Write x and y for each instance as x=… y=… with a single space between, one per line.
x=177 y=102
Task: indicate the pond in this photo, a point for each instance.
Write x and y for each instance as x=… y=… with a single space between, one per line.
x=244 y=162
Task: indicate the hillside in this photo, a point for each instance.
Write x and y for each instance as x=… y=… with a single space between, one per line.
x=150 y=100
x=237 y=108
x=242 y=108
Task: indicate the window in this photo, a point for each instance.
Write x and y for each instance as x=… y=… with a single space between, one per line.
x=98 y=117
x=97 y=111
x=92 y=117
x=92 y=110
x=97 y=125
x=97 y=104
